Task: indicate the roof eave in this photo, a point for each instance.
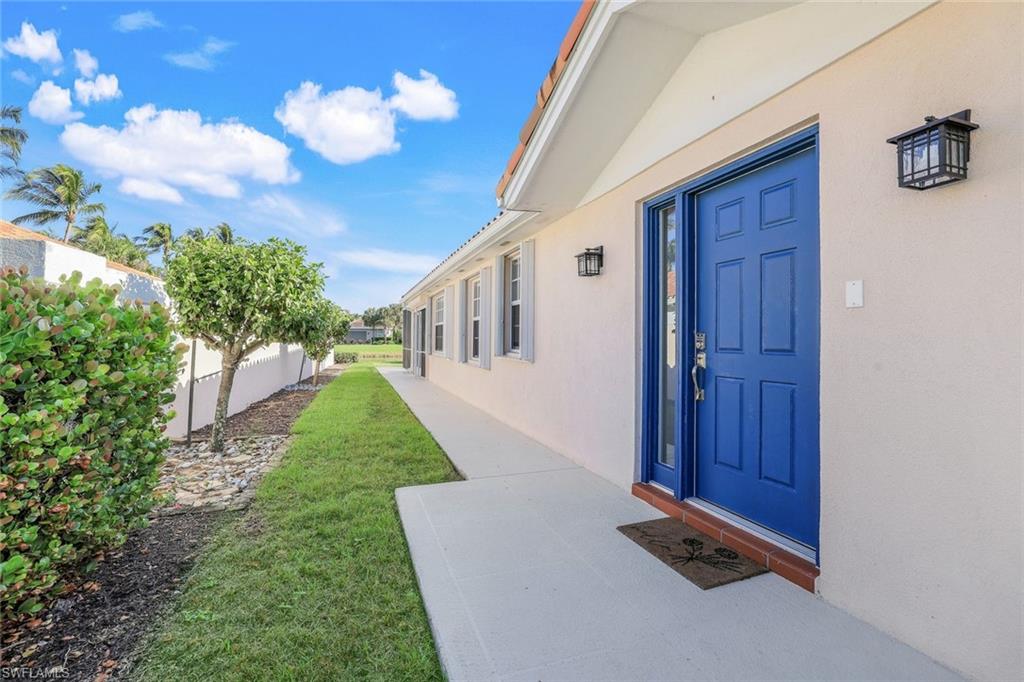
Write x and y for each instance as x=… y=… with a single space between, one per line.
x=574 y=57
x=492 y=235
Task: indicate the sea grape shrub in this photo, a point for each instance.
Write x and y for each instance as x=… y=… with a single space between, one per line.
x=83 y=385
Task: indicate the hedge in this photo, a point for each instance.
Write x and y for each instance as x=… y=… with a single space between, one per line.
x=83 y=382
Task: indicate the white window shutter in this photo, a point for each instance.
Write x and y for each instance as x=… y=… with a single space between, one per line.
x=486 y=301
x=462 y=321
x=527 y=323
x=449 y=320
x=499 y=306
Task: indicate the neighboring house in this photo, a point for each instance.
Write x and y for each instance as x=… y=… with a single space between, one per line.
x=836 y=371
x=358 y=332
x=264 y=372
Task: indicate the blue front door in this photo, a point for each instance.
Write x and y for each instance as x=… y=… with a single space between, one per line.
x=756 y=303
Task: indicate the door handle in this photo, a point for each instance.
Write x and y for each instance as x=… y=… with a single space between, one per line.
x=700 y=362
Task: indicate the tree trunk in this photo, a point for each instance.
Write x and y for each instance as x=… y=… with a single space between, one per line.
x=67 y=231
x=220 y=416
x=316 y=373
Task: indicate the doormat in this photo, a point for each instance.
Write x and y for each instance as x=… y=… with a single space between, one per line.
x=697 y=557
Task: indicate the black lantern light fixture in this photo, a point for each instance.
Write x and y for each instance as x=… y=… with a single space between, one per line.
x=590 y=261
x=936 y=153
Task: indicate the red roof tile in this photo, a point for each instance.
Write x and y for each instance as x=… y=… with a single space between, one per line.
x=546 y=88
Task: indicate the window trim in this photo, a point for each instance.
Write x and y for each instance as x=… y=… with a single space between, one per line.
x=507 y=303
x=474 y=282
x=434 y=324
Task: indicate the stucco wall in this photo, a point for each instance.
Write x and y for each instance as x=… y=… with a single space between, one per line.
x=921 y=393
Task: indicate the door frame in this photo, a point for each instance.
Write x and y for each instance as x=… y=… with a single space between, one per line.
x=684 y=197
x=419 y=350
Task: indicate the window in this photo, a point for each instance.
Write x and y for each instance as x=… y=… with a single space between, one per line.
x=513 y=302
x=474 y=319
x=437 y=304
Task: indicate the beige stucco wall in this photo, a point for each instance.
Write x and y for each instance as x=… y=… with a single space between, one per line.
x=921 y=390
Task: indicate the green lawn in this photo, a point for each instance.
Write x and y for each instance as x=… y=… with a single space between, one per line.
x=315 y=581
x=389 y=351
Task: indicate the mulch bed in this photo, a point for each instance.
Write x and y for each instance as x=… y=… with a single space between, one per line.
x=93 y=632
x=273 y=415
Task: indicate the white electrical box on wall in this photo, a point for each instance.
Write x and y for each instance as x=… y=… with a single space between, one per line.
x=855 y=293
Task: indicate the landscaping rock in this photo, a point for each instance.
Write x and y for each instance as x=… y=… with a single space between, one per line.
x=195 y=477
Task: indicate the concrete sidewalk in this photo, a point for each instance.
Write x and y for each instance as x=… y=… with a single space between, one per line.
x=525 y=577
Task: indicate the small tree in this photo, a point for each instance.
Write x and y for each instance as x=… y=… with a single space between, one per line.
x=319 y=328
x=237 y=298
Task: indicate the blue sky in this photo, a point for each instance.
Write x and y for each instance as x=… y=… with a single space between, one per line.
x=373 y=133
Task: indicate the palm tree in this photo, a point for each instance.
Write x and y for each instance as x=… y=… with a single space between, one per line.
x=62 y=192
x=11 y=140
x=99 y=237
x=373 y=317
x=96 y=231
x=158 y=237
x=224 y=233
x=194 y=233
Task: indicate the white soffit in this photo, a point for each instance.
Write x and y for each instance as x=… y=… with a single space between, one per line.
x=731 y=70
x=626 y=53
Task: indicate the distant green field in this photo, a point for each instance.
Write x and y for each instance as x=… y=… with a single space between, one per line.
x=388 y=351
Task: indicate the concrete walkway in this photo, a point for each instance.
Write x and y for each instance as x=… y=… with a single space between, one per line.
x=525 y=577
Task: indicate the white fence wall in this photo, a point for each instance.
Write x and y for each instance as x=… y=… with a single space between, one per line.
x=265 y=372
x=262 y=374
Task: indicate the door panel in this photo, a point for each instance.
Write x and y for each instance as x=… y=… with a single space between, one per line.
x=756 y=241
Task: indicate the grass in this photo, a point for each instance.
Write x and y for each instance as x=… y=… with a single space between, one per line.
x=315 y=581
x=387 y=351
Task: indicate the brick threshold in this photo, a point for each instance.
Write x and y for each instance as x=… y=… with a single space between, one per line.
x=786 y=564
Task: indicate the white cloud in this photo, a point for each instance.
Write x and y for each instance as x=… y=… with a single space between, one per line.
x=151 y=189
x=277 y=210
x=136 y=21
x=52 y=104
x=102 y=88
x=202 y=57
x=354 y=124
x=343 y=126
x=31 y=44
x=359 y=293
x=388 y=261
x=456 y=183
x=86 y=64
x=23 y=77
x=157 y=151
x=423 y=99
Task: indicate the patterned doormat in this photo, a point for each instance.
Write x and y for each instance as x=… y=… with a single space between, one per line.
x=700 y=559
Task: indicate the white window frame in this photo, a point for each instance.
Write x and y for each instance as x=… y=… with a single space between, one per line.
x=474 y=313
x=513 y=257
x=438 y=304
x=502 y=306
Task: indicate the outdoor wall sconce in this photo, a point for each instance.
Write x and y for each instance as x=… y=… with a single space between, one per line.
x=936 y=153
x=590 y=261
